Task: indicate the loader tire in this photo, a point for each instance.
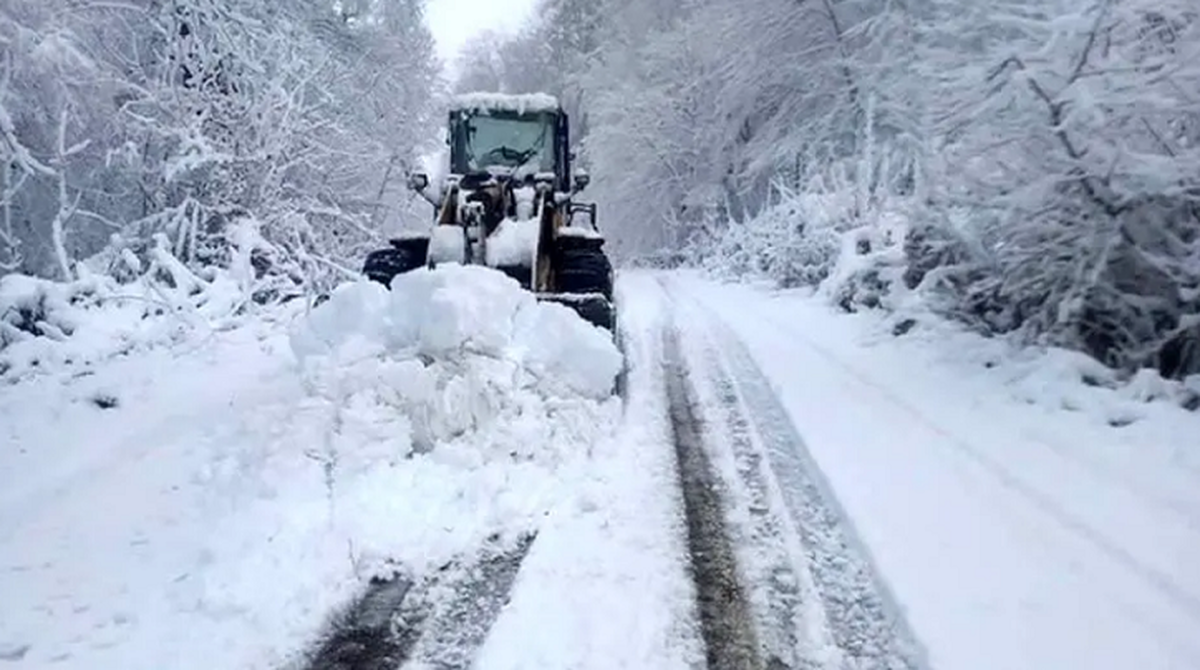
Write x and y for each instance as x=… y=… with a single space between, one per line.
x=584 y=270
x=598 y=313
x=594 y=309
x=382 y=265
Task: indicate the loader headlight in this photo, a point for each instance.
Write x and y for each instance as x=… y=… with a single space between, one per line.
x=582 y=179
x=418 y=181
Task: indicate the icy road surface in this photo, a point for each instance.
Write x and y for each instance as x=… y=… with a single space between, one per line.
x=780 y=487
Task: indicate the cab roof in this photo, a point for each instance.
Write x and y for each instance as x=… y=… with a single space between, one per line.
x=526 y=103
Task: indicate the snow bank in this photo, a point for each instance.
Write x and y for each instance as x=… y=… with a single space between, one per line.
x=122 y=303
x=608 y=582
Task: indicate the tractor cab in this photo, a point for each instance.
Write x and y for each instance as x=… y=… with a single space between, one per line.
x=518 y=139
x=509 y=202
x=522 y=142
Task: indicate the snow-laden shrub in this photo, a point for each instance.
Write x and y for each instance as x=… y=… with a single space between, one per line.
x=661 y=259
x=1121 y=285
x=826 y=241
x=870 y=267
x=1079 y=147
x=794 y=243
x=124 y=300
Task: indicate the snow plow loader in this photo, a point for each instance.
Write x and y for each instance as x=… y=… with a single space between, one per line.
x=508 y=202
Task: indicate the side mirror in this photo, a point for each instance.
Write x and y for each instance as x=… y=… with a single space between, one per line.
x=418 y=181
x=582 y=179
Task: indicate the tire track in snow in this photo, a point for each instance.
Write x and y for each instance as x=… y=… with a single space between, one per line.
x=375 y=633
x=849 y=607
x=777 y=590
x=438 y=621
x=725 y=622
x=863 y=619
x=468 y=599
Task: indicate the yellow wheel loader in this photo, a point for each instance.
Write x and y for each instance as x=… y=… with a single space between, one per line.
x=509 y=202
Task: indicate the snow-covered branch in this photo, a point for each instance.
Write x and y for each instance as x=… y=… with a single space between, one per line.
x=184 y=117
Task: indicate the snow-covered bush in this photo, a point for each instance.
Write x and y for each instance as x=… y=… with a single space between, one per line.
x=130 y=302
x=1070 y=130
x=794 y=243
x=1119 y=294
x=870 y=267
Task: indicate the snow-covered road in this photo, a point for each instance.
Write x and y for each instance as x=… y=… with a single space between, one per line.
x=780 y=486
x=1021 y=518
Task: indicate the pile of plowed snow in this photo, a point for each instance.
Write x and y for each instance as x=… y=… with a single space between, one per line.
x=457 y=313
x=458 y=377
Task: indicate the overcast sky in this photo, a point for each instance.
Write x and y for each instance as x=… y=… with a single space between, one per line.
x=453 y=22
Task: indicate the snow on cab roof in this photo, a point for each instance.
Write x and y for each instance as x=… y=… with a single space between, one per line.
x=521 y=104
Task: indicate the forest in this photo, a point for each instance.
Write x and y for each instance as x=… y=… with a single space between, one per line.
x=1028 y=168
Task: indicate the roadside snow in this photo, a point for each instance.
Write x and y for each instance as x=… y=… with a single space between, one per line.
x=47 y=327
x=209 y=506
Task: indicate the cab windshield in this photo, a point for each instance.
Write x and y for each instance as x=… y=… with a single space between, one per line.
x=521 y=143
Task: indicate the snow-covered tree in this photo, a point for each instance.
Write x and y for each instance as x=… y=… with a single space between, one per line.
x=1045 y=151
x=182 y=116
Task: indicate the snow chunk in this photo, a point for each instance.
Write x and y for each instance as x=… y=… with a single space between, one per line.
x=447 y=245
x=568 y=355
x=355 y=311
x=456 y=308
x=529 y=103
x=580 y=231
x=513 y=243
